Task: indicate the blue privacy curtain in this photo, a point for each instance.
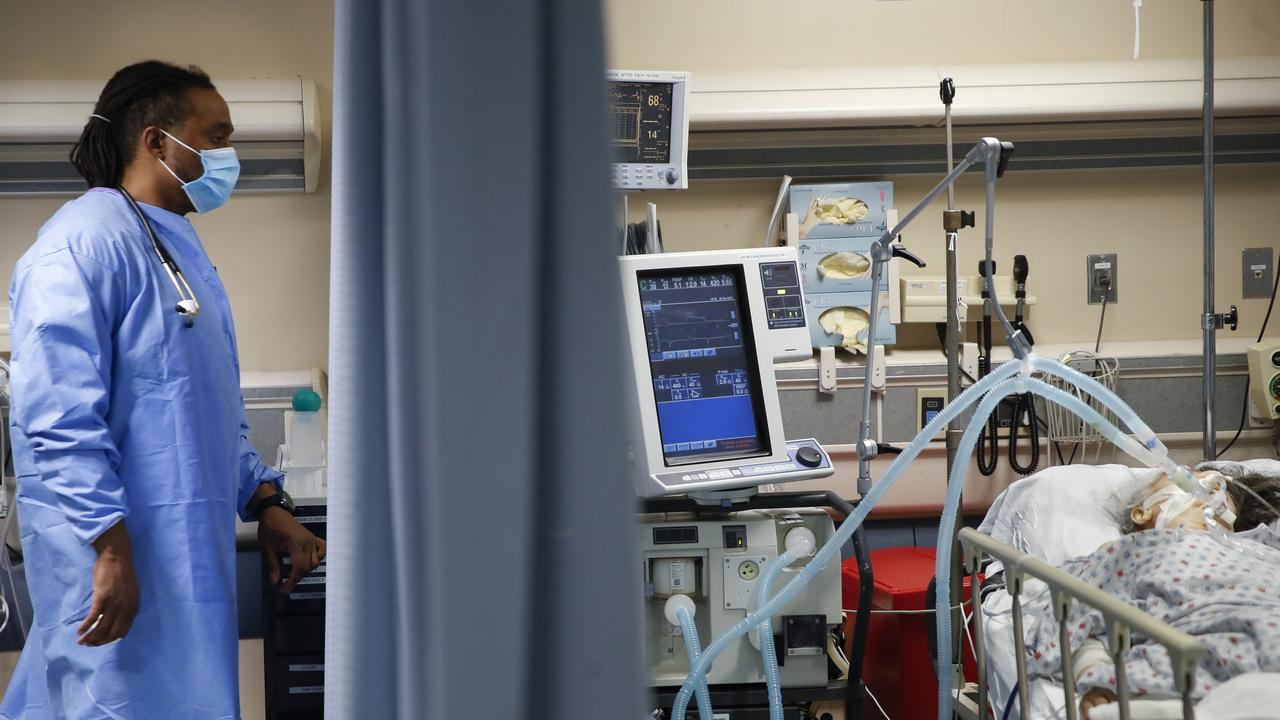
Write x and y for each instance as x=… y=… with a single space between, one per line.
x=482 y=554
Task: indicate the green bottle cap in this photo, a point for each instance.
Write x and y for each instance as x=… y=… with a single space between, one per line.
x=306 y=401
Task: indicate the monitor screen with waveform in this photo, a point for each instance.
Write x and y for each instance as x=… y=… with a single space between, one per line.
x=642 y=116
x=702 y=359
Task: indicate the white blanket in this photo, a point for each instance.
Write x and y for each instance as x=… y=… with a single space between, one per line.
x=1253 y=696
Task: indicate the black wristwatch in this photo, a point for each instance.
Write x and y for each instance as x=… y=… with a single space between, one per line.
x=279 y=499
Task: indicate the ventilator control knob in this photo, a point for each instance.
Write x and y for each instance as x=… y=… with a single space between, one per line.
x=673 y=176
x=809 y=457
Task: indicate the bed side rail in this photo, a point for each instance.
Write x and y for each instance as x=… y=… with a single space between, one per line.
x=1121 y=619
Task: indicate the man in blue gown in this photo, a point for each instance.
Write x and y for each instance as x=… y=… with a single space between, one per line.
x=129 y=434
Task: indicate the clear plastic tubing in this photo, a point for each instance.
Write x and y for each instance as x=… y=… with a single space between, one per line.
x=772 y=676
x=694 y=649
x=842 y=535
x=960 y=468
x=1157 y=455
x=955 y=484
x=1150 y=451
x=1112 y=401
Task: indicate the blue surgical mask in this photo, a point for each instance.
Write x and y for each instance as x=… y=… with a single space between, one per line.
x=221 y=170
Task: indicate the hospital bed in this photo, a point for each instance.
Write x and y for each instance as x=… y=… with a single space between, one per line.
x=1038 y=523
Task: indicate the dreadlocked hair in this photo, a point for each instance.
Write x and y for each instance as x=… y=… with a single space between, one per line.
x=143 y=94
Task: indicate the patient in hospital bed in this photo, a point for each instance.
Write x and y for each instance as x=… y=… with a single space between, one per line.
x=1169 y=566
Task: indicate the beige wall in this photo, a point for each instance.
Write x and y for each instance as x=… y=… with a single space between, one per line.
x=1151 y=218
x=758 y=34
x=272 y=250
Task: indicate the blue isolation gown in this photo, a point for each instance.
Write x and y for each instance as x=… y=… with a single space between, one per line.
x=122 y=411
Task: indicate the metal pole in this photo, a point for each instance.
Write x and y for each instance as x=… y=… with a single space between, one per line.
x=654 y=241
x=955 y=429
x=881 y=253
x=1209 y=321
x=622 y=213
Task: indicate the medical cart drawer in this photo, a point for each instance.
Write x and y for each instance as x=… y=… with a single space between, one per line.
x=313 y=518
x=301 y=682
x=306 y=597
x=298 y=634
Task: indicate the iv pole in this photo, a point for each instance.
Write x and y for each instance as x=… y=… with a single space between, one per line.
x=994 y=155
x=1210 y=322
x=951 y=223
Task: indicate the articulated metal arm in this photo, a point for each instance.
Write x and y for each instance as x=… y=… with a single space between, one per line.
x=995 y=156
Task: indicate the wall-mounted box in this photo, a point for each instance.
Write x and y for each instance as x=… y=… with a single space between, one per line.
x=828 y=312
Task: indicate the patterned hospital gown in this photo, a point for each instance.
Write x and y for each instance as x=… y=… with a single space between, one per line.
x=1228 y=599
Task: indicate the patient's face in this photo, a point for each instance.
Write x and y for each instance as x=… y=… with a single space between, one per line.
x=1191 y=517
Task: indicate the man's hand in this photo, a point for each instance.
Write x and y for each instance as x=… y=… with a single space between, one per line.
x=115 y=589
x=278 y=531
x=1094 y=698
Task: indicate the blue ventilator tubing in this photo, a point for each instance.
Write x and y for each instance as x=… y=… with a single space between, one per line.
x=697 y=673
x=942 y=570
x=1148 y=449
x=1123 y=412
x=1138 y=450
x=772 y=676
x=1152 y=452
x=693 y=648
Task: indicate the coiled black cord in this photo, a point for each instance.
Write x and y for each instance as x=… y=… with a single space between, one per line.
x=987 y=464
x=1024 y=403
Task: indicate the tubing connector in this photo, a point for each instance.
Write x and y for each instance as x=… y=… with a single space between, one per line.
x=1214 y=499
x=1158 y=445
x=1025 y=369
x=1019 y=344
x=801 y=540
x=1183 y=478
x=674 y=604
x=1215 y=483
x=1019 y=384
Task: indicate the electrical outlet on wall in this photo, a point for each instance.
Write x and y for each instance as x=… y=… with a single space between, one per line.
x=1101 y=278
x=929 y=402
x=1258 y=269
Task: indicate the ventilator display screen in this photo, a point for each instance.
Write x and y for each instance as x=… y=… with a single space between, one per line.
x=702 y=359
x=642 y=113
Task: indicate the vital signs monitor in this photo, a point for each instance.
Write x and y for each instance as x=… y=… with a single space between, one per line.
x=705 y=329
x=649 y=121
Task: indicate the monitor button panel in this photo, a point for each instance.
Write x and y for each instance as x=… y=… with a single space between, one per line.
x=645 y=177
x=783 y=303
x=805 y=459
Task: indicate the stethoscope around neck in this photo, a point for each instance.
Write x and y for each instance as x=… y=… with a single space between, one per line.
x=187 y=306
